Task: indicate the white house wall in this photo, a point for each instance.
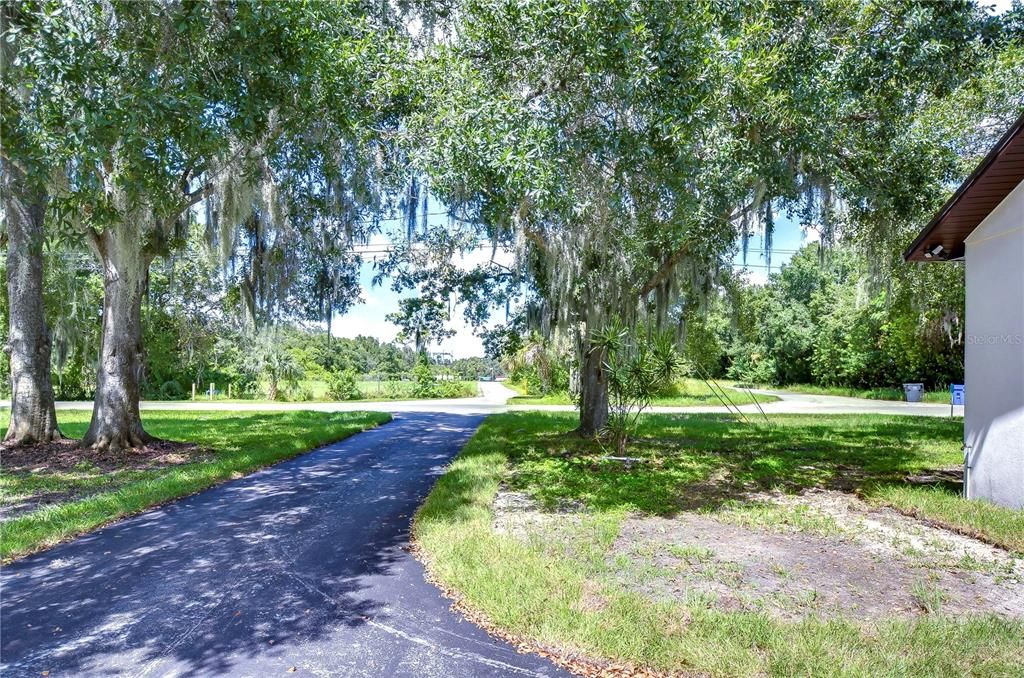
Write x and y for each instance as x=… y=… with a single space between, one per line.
x=994 y=356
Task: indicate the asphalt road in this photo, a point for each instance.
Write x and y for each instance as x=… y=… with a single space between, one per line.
x=796 y=403
x=300 y=566
x=494 y=396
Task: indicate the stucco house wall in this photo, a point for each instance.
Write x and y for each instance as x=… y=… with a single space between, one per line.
x=994 y=356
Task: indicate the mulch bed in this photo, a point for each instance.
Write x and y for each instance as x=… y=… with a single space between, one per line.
x=63 y=456
x=66 y=454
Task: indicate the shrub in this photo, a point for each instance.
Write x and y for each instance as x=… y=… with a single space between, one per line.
x=343 y=386
x=425 y=383
x=395 y=389
x=639 y=364
x=171 y=390
x=456 y=389
x=539 y=369
x=751 y=365
x=300 y=394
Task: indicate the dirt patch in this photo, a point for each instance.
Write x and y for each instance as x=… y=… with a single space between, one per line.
x=878 y=564
x=870 y=563
x=62 y=455
x=65 y=461
x=516 y=515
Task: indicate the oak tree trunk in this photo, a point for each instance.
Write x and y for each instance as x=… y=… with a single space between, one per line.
x=33 y=419
x=116 y=423
x=593 y=392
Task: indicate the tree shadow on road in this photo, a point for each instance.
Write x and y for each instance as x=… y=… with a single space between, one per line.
x=250 y=569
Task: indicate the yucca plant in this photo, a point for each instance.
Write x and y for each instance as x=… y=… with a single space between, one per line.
x=640 y=362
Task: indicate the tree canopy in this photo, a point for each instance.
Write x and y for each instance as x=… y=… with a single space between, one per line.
x=624 y=151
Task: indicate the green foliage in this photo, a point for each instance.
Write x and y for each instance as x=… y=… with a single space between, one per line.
x=421 y=320
x=620 y=148
x=639 y=365
x=624 y=147
x=539 y=368
x=821 y=321
x=473 y=369
x=426 y=383
x=342 y=386
x=451 y=388
x=265 y=358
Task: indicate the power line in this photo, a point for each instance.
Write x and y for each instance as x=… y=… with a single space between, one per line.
x=386 y=249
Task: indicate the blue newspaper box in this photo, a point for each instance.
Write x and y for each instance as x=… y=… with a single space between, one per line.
x=956 y=392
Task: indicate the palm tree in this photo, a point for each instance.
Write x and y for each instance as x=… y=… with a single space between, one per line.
x=266 y=359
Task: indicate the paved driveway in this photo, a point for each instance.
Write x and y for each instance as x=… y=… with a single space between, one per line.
x=300 y=566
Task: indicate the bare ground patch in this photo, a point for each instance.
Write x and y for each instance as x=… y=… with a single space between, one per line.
x=823 y=553
x=70 y=467
x=66 y=454
x=515 y=514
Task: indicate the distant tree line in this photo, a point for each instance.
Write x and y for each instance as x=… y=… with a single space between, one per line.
x=195 y=332
x=822 y=320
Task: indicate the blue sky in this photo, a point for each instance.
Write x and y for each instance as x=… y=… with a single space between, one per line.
x=368 y=318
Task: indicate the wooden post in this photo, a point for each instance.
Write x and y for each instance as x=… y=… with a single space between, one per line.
x=211 y=390
x=193 y=390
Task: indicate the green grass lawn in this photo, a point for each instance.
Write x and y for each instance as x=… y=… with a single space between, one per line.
x=684 y=393
x=315 y=390
x=231 y=444
x=543 y=590
x=870 y=394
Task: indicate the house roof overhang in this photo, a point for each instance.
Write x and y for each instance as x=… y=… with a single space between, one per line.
x=998 y=174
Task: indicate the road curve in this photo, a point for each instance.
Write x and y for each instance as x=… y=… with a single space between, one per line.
x=299 y=569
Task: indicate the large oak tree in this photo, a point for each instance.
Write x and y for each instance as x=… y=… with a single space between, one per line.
x=151 y=105
x=25 y=182
x=625 y=146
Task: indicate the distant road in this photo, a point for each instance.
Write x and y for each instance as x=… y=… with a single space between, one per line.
x=494 y=397
x=798 y=403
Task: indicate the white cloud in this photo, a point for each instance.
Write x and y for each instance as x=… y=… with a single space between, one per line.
x=755 y=276
x=355 y=324
x=995 y=6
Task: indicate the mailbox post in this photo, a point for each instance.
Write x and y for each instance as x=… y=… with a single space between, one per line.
x=956 y=396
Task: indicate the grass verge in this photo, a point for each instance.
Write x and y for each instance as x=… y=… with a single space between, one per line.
x=556 y=592
x=234 y=444
x=684 y=393
x=867 y=393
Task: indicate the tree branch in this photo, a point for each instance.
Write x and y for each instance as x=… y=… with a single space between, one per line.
x=665 y=270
